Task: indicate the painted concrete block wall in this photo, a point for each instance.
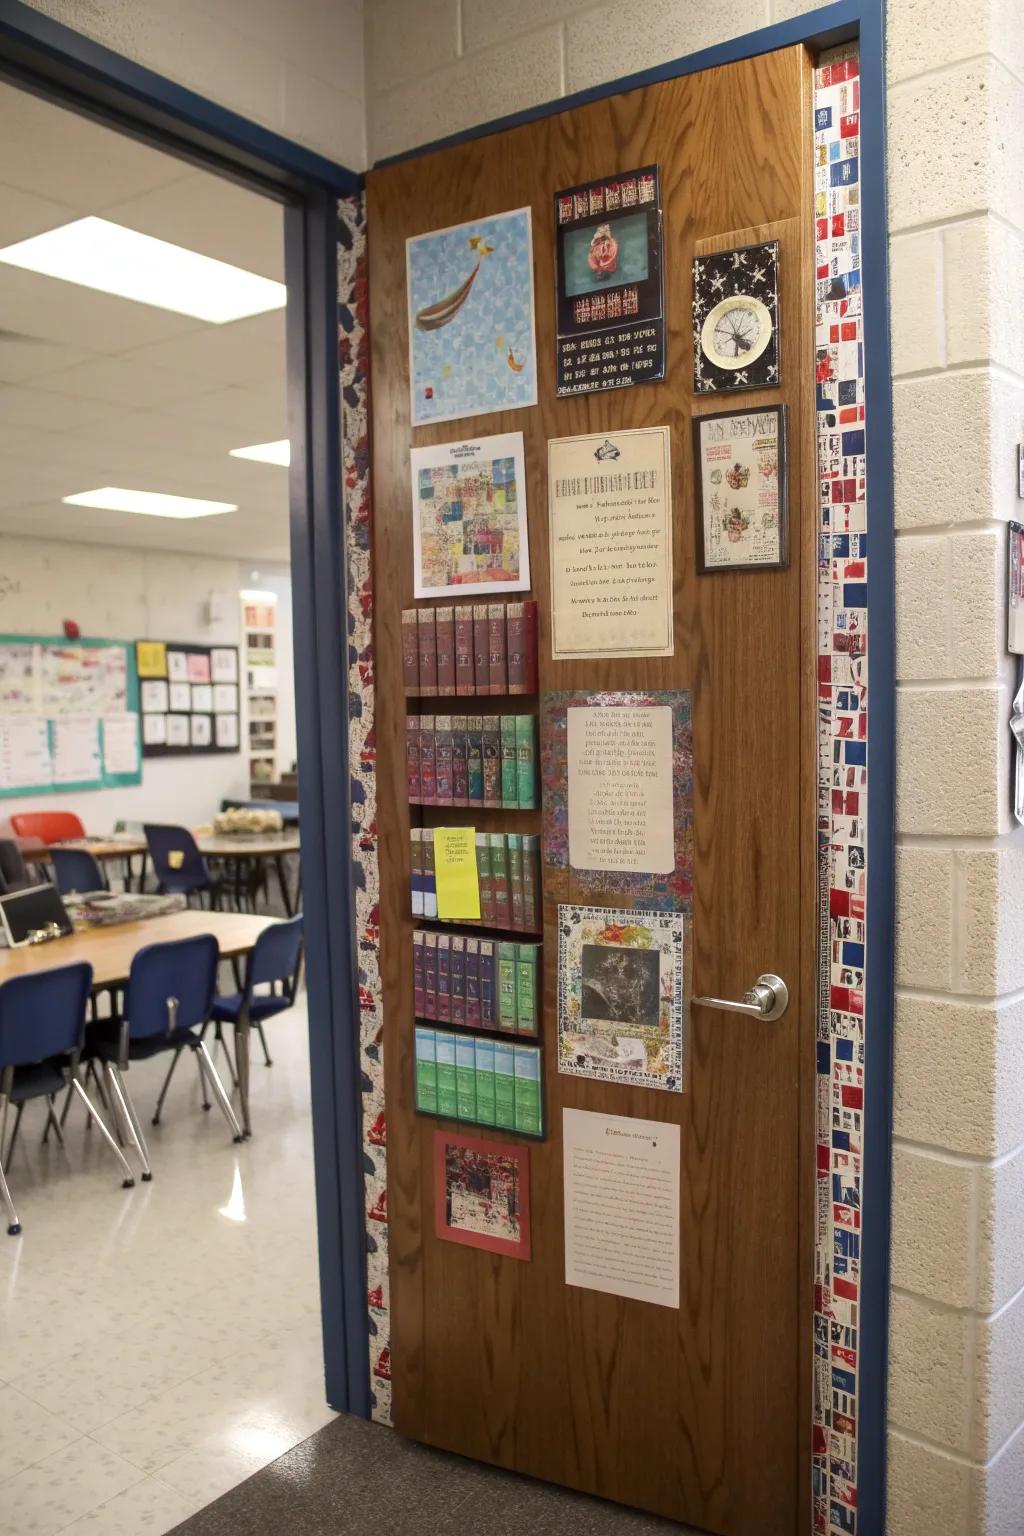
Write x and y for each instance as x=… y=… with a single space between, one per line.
x=956 y=189
x=295 y=66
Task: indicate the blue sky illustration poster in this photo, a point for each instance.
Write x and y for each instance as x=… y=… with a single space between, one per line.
x=472 y=345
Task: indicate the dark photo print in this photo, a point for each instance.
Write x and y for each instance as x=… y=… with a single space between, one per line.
x=621 y=986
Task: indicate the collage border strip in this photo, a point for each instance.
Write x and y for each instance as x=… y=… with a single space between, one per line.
x=842 y=788
x=353 y=365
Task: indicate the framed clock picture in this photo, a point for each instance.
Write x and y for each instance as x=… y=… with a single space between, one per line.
x=736 y=319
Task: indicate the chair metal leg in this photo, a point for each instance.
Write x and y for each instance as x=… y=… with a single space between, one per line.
x=51 y=1118
x=121 y=1098
x=167 y=1084
x=219 y=1039
x=13 y=1224
x=219 y=1093
x=202 y=1078
x=263 y=1041
x=128 y=1182
x=14 y=1133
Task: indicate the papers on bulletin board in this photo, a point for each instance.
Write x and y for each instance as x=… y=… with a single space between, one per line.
x=180 y=697
x=25 y=753
x=177 y=734
x=226 y=731
x=121 y=743
x=225 y=699
x=201 y=730
x=202 y=698
x=621 y=1180
x=198 y=666
x=177 y=666
x=75 y=748
x=151 y=658
x=224 y=664
x=154 y=730
x=154 y=698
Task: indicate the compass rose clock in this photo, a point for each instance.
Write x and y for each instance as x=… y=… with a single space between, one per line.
x=736 y=319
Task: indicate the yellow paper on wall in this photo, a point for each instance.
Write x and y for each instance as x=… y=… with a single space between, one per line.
x=151 y=658
x=458 y=887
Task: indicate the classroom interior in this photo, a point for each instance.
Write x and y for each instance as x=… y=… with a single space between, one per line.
x=158 y=1281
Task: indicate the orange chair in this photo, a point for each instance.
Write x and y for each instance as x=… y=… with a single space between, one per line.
x=47 y=826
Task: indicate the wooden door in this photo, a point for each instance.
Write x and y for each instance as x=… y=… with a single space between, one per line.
x=700 y=1414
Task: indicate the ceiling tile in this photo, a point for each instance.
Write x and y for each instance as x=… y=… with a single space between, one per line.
x=24 y=357
x=208 y=214
x=222 y=354
x=120 y=381
x=23 y=214
x=53 y=413
x=80 y=317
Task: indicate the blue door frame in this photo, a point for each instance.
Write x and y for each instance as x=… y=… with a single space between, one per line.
x=59 y=63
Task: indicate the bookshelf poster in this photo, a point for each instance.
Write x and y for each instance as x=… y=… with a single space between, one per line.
x=609 y=300
x=621 y=983
x=617 y=782
x=482 y=1194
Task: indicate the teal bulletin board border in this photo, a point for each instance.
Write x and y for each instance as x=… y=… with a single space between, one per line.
x=106 y=780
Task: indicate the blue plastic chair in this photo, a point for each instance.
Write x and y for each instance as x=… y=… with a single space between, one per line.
x=167 y=1001
x=180 y=867
x=76 y=871
x=13 y=874
x=42 y=1031
x=274 y=961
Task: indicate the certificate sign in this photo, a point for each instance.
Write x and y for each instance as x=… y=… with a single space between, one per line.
x=741 y=476
x=622 y=1205
x=611 y=544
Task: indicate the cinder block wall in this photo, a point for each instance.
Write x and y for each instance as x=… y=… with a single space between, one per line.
x=956 y=189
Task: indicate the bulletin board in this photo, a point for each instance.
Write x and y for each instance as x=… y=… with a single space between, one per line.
x=189 y=698
x=668 y=1408
x=68 y=715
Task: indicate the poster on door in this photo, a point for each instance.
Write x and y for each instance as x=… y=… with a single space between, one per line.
x=621 y=989
x=609 y=299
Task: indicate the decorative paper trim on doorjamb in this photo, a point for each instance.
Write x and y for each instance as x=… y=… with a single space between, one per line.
x=353 y=362
x=842 y=787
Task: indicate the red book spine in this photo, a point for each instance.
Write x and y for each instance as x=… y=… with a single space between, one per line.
x=481 y=649
x=428 y=652
x=464 y=682
x=428 y=768
x=445 y=638
x=497 y=655
x=410 y=651
x=516 y=634
x=530 y=647
x=412 y=757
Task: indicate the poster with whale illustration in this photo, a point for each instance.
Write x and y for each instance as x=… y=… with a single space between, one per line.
x=472 y=340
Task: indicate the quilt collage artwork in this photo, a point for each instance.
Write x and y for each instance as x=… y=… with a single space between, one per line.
x=842 y=788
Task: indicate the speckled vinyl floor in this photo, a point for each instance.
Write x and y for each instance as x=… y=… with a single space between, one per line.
x=354 y=1478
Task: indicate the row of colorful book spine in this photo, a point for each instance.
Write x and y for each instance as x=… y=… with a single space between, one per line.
x=508 y=875
x=476 y=983
x=475 y=760
x=485 y=1082
x=471 y=648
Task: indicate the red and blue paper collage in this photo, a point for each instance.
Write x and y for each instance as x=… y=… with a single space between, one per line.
x=842 y=787
x=353 y=364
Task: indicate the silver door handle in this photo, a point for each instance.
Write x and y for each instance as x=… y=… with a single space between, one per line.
x=767 y=999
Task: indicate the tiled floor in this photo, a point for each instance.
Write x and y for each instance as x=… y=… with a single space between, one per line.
x=159 y=1344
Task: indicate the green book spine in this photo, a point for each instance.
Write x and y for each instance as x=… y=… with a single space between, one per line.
x=426 y=1070
x=526 y=763
x=465 y=1077
x=529 y=1118
x=509 y=764
x=514 y=844
x=447 y=1096
x=502 y=895
x=504 y=1086
x=483 y=871
x=507 y=961
x=527 y=971
x=531 y=881
x=485 y=1106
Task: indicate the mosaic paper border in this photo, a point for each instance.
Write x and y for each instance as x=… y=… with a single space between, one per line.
x=353 y=365
x=842 y=787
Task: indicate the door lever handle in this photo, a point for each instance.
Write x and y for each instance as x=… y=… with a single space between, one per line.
x=767 y=999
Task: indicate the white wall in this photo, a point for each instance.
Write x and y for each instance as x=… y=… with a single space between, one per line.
x=956 y=190
x=120 y=594
x=295 y=67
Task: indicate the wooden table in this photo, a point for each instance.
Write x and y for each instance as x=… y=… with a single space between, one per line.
x=110 y=952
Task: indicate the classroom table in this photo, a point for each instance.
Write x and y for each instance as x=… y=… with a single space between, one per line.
x=111 y=950
x=271 y=845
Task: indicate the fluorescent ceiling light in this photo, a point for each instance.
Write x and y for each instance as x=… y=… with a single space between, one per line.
x=266 y=453
x=97 y=254
x=115 y=498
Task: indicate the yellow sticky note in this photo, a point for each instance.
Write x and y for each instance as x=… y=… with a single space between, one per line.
x=151 y=658
x=458 y=888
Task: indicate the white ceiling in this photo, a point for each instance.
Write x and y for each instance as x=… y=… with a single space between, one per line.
x=96 y=390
